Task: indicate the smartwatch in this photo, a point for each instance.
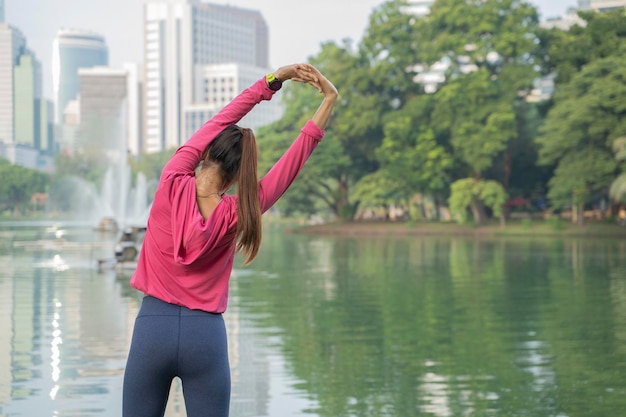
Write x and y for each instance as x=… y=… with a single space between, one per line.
x=273 y=83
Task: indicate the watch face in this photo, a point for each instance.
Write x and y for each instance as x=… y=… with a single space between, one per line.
x=275 y=85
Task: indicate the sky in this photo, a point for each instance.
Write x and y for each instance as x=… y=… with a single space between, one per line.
x=297 y=28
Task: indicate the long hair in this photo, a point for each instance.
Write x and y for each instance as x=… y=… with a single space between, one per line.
x=235 y=151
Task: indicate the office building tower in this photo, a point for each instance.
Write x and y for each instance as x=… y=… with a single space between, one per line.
x=74 y=49
x=109 y=111
x=12 y=45
x=27 y=101
x=181 y=35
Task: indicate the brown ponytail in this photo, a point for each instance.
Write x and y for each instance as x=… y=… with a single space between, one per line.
x=249 y=230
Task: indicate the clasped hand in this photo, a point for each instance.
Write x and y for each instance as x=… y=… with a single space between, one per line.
x=307 y=74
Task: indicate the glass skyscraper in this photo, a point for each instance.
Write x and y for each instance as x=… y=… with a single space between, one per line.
x=74 y=49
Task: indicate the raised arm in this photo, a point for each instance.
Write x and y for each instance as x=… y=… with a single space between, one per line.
x=188 y=156
x=322 y=115
x=274 y=184
x=245 y=102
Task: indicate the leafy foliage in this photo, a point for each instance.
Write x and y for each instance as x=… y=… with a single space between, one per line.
x=410 y=154
x=19 y=184
x=469 y=191
x=578 y=136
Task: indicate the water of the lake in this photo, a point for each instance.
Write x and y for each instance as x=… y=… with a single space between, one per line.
x=334 y=327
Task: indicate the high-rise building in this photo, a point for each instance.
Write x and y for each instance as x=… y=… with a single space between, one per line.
x=27 y=89
x=74 y=49
x=109 y=111
x=12 y=45
x=181 y=35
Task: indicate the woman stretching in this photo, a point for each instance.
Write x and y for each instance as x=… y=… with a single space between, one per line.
x=194 y=230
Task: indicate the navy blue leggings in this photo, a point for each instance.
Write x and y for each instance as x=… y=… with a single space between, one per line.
x=172 y=341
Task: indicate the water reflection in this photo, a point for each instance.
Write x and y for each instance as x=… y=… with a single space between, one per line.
x=449 y=327
x=338 y=327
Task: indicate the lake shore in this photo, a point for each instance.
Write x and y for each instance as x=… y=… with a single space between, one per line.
x=528 y=229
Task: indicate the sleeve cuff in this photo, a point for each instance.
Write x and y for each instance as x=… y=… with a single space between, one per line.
x=266 y=93
x=311 y=129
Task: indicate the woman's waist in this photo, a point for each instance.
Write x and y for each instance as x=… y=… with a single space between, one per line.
x=154 y=306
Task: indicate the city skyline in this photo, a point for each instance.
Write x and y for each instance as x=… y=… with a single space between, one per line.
x=289 y=42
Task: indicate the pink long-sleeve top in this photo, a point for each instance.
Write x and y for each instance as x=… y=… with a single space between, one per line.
x=185 y=259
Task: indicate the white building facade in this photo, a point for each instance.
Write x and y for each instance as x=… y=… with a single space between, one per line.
x=109 y=111
x=179 y=37
x=12 y=44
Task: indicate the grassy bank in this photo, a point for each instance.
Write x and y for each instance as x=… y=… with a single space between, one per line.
x=526 y=228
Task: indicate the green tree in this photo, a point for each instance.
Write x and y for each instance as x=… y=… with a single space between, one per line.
x=517 y=167
x=380 y=188
x=588 y=116
x=19 y=184
x=475 y=117
x=481 y=115
x=79 y=164
x=465 y=192
x=479 y=121
x=410 y=155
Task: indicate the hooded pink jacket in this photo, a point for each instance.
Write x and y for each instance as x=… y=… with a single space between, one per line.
x=185 y=259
